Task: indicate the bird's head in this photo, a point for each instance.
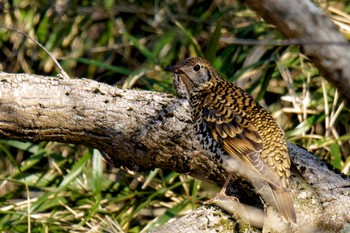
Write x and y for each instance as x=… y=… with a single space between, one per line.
x=191 y=74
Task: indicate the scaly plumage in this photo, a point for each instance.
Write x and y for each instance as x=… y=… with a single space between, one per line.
x=231 y=124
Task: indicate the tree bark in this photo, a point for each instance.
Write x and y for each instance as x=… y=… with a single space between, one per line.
x=319 y=37
x=146 y=130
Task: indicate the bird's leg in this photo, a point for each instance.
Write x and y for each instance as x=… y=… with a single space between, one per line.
x=232 y=206
x=222 y=195
x=227 y=181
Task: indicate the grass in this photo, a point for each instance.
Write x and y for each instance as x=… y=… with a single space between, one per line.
x=54 y=187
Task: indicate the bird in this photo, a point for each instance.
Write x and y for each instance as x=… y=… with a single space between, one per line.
x=233 y=127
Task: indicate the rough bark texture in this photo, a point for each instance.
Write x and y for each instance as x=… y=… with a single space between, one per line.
x=302 y=20
x=206 y=219
x=144 y=130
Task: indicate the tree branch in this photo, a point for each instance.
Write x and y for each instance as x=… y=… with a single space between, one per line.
x=302 y=20
x=145 y=130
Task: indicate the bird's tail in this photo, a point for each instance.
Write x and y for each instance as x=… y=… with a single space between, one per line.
x=284 y=204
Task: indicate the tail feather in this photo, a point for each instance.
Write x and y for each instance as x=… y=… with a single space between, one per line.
x=284 y=204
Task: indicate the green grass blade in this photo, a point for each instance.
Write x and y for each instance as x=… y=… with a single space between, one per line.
x=213 y=41
x=76 y=170
x=196 y=187
x=25 y=146
x=146 y=52
x=164 y=218
x=97 y=171
x=305 y=125
x=336 y=155
x=193 y=40
x=116 y=69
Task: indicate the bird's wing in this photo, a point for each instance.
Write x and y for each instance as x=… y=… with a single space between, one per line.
x=238 y=137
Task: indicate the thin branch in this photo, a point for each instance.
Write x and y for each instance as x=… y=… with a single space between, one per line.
x=62 y=72
x=297 y=42
x=303 y=20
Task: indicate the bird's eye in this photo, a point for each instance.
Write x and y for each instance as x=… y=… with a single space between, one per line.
x=196 y=67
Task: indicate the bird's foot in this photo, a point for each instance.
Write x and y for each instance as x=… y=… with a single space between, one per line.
x=222 y=195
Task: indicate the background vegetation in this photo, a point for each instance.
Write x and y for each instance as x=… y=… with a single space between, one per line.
x=49 y=186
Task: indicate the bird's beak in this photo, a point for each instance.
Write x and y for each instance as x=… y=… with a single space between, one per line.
x=173 y=69
x=180 y=74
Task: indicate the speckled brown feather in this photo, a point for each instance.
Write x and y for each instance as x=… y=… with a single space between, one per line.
x=239 y=126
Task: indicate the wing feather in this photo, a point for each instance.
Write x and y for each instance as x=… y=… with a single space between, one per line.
x=239 y=138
